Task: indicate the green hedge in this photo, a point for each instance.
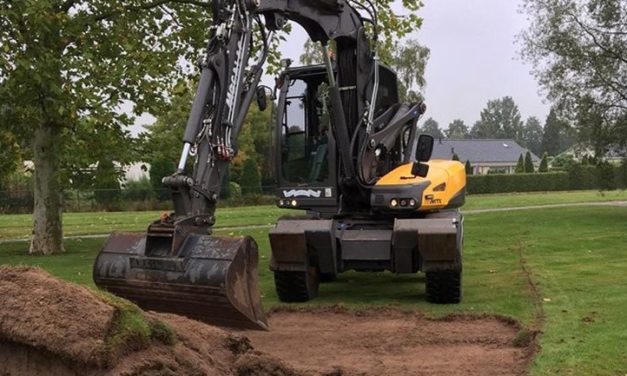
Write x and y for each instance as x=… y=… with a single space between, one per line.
x=576 y=177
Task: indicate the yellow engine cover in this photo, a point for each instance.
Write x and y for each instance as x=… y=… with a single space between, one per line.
x=446 y=184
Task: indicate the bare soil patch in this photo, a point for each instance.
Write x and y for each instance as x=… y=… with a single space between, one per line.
x=51 y=327
x=389 y=342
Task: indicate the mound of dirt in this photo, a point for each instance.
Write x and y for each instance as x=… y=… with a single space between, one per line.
x=55 y=328
x=43 y=312
x=389 y=342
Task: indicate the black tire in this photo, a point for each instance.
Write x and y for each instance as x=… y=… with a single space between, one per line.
x=328 y=277
x=297 y=287
x=444 y=287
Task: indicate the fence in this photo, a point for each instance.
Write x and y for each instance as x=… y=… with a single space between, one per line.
x=75 y=200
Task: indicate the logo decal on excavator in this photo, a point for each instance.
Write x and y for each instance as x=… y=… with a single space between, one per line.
x=302 y=193
x=432 y=200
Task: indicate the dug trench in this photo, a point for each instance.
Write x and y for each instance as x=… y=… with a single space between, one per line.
x=52 y=327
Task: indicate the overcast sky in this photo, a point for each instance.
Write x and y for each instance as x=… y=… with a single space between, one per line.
x=473 y=59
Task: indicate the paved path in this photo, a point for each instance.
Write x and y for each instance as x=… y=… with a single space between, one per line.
x=472 y=211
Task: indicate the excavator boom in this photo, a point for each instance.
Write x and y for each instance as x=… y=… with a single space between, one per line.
x=177 y=265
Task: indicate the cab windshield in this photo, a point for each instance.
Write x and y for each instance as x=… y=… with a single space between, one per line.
x=304 y=133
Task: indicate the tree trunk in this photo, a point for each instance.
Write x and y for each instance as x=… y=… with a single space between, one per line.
x=47 y=213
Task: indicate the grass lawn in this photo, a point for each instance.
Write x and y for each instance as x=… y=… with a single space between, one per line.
x=562 y=270
x=510 y=200
x=19 y=226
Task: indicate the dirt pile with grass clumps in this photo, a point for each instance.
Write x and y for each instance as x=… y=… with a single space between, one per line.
x=55 y=328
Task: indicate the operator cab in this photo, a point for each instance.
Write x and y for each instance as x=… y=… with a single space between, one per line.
x=305 y=147
x=306 y=157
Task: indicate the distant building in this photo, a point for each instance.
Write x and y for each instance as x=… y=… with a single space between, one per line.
x=137 y=171
x=485 y=156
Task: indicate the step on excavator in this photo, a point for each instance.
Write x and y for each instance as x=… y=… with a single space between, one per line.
x=346 y=152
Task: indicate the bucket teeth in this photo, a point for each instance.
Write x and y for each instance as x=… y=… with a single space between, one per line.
x=213 y=279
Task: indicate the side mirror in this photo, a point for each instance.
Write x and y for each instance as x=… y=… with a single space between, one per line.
x=262 y=102
x=420 y=169
x=424 y=150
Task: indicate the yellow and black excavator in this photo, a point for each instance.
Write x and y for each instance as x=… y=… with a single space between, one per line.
x=347 y=152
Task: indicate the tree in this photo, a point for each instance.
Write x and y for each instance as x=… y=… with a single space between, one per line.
x=455 y=157
x=66 y=67
x=431 y=127
x=312 y=53
x=468 y=167
x=520 y=166
x=532 y=135
x=225 y=190
x=500 y=119
x=557 y=134
x=107 y=190
x=579 y=52
x=9 y=156
x=544 y=163
x=457 y=129
x=529 y=163
x=594 y=128
x=622 y=174
x=251 y=181
x=162 y=140
x=409 y=60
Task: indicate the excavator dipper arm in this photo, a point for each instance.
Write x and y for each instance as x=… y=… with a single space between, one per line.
x=177 y=265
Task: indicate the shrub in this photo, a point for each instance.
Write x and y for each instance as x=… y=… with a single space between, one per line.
x=138 y=190
x=605 y=176
x=225 y=188
x=160 y=168
x=577 y=177
x=520 y=166
x=251 y=181
x=235 y=191
x=528 y=163
x=544 y=164
x=622 y=175
x=468 y=168
x=107 y=191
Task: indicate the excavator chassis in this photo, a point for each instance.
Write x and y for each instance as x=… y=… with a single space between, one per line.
x=431 y=244
x=210 y=278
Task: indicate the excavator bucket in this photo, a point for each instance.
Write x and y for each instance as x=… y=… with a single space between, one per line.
x=211 y=279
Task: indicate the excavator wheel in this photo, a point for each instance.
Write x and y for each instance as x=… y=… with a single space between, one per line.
x=297 y=287
x=444 y=287
x=327 y=277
